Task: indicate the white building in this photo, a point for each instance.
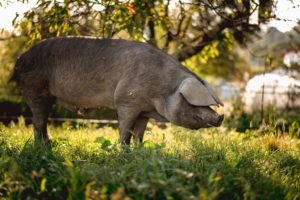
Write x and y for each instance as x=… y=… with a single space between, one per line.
x=280 y=91
x=291 y=57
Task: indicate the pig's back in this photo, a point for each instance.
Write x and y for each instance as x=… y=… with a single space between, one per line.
x=86 y=71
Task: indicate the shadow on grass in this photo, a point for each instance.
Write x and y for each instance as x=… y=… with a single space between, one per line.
x=152 y=172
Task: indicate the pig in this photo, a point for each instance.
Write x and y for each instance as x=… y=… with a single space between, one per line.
x=136 y=79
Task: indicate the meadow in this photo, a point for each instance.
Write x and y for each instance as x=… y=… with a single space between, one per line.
x=85 y=161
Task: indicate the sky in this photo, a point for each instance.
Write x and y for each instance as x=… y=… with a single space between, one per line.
x=286 y=9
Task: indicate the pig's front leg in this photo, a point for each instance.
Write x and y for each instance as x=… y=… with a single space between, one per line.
x=127 y=117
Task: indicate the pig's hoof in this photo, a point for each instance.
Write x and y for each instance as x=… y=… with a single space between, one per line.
x=125 y=148
x=43 y=143
x=138 y=144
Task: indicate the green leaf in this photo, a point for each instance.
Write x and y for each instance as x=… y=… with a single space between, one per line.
x=100 y=140
x=105 y=144
x=130 y=29
x=269 y=60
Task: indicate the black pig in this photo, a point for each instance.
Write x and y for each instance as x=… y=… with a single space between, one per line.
x=136 y=79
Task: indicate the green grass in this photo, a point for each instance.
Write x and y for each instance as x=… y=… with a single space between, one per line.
x=85 y=162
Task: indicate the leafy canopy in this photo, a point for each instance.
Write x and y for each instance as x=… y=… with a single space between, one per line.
x=182 y=28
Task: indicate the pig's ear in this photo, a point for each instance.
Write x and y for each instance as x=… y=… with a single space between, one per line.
x=212 y=92
x=198 y=93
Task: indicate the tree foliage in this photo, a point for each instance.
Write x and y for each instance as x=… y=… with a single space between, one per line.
x=182 y=28
x=227 y=65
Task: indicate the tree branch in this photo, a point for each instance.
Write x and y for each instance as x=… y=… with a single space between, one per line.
x=152 y=39
x=182 y=14
x=185 y=28
x=151 y=25
x=189 y=51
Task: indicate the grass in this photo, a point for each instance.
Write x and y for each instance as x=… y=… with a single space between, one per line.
x=86 y=162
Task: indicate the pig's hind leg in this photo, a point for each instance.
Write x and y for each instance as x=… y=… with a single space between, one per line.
x=40 y=103
x=139 y=129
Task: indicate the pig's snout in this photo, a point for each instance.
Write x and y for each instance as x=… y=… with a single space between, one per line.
x=220 y=120
x=217 y=122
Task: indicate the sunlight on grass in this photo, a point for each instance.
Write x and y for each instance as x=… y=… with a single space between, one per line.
x=86 y=162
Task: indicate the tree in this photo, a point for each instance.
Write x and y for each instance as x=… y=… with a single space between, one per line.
x=182 y=28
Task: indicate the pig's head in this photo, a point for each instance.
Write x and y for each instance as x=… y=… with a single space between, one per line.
x=190 y=105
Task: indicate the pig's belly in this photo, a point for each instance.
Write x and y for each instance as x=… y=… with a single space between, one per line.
x=83 y=97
